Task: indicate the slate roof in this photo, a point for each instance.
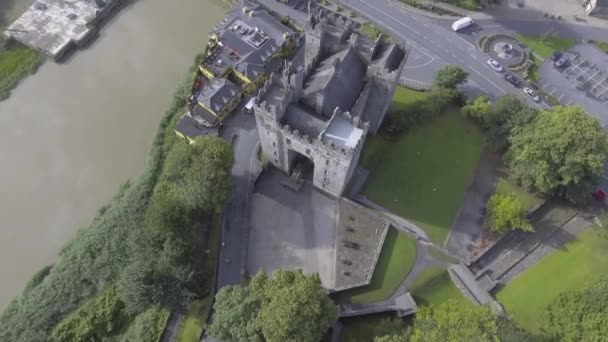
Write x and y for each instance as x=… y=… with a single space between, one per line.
x=202 y=113
x=217 y=93
x=339 y=86
x=190 y=128
x=303 y=120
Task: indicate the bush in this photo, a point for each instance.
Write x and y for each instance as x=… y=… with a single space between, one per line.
x=505 y=213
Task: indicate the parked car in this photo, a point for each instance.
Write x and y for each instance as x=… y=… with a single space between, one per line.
x=530 y=92
x=512 y=79
x=599 y=195
x=495 y=65
x=556 y=55
x=562 y=62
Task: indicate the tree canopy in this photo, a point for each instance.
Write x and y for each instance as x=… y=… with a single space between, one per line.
x=196 y=180
x=562 y=153
x=506 y=212
x=580 y=315
x=450 y=77
x=291 y=306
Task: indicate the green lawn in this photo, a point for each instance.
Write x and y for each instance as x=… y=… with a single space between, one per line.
x=16 y=62
x=600 y=45
x=505 y=186
x=370 y=30
x=424 y=172
x=544 y=46
x=568 y=268
x=194 y=321
x=394 y=263
x=434 y=286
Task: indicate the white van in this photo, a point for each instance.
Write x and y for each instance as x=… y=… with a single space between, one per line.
x=462 y=23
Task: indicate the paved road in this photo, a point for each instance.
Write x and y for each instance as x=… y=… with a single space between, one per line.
x=243 y=134
x=434 y=38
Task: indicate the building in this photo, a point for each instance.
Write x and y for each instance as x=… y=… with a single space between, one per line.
x=320 y=108
x=597 y=8
x=243 y=49
x=55 y=26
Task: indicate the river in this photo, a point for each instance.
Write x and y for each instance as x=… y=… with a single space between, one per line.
x=71 y=134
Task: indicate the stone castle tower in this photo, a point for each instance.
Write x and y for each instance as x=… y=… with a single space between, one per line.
x=322 y=104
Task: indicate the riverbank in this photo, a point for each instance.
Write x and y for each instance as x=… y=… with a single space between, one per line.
x=80 y=276
x=72 y=133
x=16 y=63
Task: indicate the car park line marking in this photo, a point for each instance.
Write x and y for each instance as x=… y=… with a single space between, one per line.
x=553 y=91
x=546 y=84
x=569 y=102
x=560 y=97
x=602 y=93
x=600 y=83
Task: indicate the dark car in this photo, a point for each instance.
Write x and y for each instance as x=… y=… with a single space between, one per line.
x=562 y=62
x=556 y=55
x=512 y=79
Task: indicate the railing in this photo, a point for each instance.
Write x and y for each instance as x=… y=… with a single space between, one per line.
x=413 y=84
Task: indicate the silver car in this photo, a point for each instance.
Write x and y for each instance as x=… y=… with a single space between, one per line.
x=532 y=94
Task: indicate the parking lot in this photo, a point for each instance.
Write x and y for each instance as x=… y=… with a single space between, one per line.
x=584 y=81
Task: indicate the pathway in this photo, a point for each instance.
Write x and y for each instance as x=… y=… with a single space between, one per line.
x=468 y=223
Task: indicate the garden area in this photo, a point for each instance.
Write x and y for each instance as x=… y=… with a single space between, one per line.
x=568 y=268
x=422 y=174
x=395 y=261
x=544 y=45
x=600 y=45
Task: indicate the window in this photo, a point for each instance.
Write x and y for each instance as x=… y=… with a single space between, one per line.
x=274 y=144
x=307 y=151
x=288 y=141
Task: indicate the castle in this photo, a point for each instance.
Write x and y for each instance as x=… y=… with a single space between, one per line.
x=322 y=105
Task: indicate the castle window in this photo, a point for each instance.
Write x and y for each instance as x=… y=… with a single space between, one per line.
x=326 y=161
x=288 y=141
x=307 y=151
x=275 y=153
x=274 y=144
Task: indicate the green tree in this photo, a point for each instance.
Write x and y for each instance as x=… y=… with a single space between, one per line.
x=450 y=77
x=506 y=212
x=454 y=322
x=561 y=153
x=202 y=172
x=299 y=308
x=391 y=330
x=579 y=315
x=504 y=117
x=291 y=306
x=476 y=109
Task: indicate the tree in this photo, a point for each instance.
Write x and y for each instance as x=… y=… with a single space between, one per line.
x=450 y=76
x=451 y=321
x=291 y=306
x=580 y=315
x=202 y=171
x=391 y=330
x=503 y=117
x=299 y=308
x=506 y=212
x=476 y=109
x=561 y=153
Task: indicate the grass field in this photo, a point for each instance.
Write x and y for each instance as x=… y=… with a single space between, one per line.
x=568 y=268
x=506 y=186
x=544 y=46
x=16 y=62
x=434 y=286
x=394 y=263
x=422 y=175
x=600 y=45
x=370 y=30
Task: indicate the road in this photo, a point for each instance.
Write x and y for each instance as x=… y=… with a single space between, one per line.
x=242 y=133
x=435 y=39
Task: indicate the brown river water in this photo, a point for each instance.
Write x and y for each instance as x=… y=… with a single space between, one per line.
x=71 y=134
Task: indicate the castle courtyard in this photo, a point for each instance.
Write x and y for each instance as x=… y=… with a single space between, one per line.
x=291 y=230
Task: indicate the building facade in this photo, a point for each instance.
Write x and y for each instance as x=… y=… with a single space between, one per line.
x=323 y=104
